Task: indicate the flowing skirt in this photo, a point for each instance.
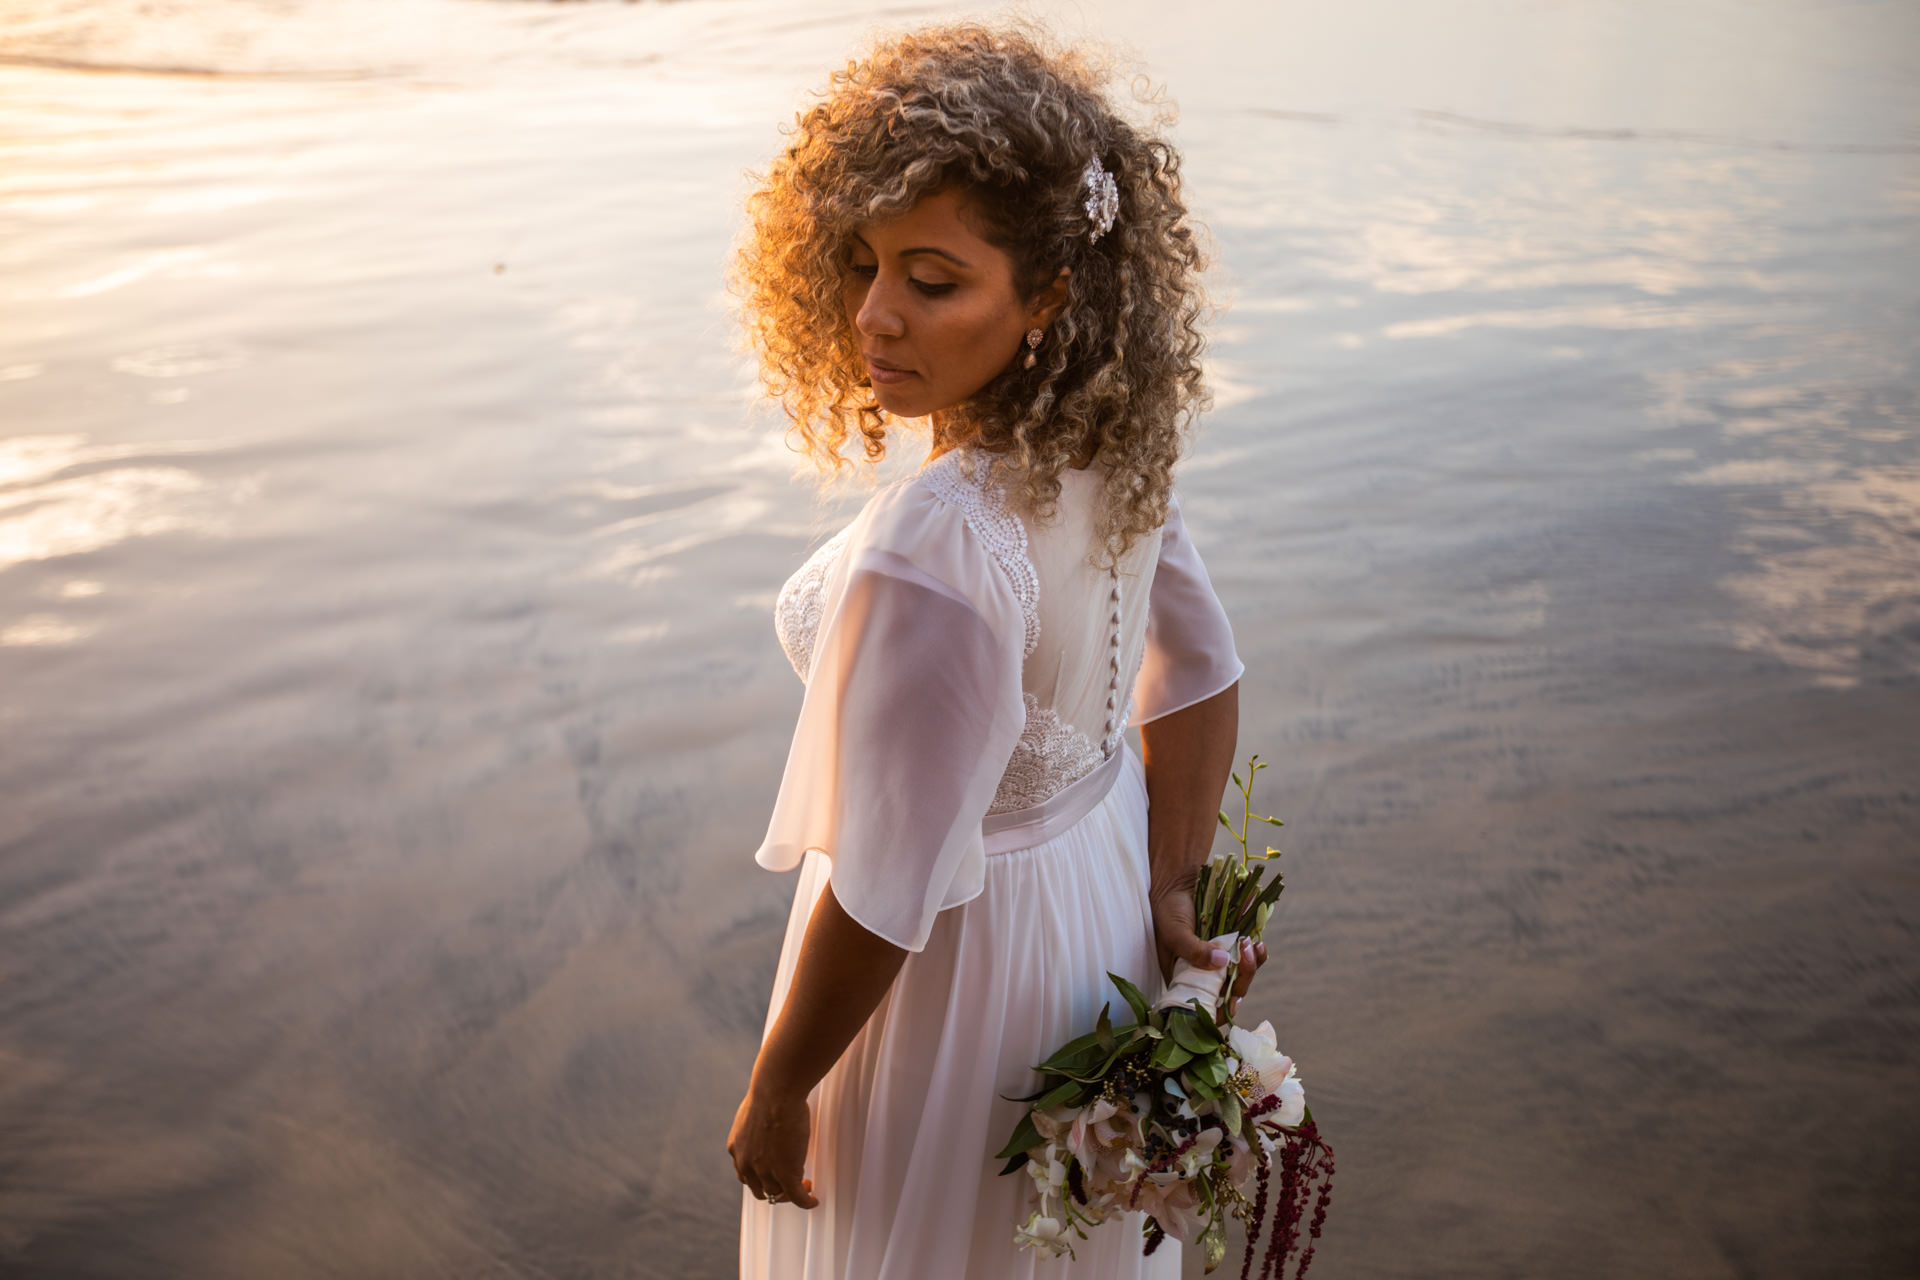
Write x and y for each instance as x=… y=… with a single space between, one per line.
x=906 y=1123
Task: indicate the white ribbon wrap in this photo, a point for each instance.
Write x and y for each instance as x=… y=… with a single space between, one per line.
x=1191 y=982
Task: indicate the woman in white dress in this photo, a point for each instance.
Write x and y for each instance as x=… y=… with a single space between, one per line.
x=962 y=230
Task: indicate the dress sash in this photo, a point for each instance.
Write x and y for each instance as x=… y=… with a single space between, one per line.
x=1024 y=828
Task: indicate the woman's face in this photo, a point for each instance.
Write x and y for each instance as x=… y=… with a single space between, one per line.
x=934 y=308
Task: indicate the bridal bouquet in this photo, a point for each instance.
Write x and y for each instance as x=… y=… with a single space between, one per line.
x=1179 y=1112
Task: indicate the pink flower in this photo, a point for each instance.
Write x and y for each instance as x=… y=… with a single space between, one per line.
x=1084 y=1135
x=1176 y=1207
x=1259 y=1054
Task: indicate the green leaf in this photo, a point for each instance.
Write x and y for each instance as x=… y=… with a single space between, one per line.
x=1190 y=1035
x=1238 y=906
x=1074 y=1061
x=1135 y=1001
x=1169 y=1056
x=1103 y=1029
x=1015 y=1164
x=1064 y=1095
x=1025 y=1138
x=1216 y=1242
x=1231 y=1112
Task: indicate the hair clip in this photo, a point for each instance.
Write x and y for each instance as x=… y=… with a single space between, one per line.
x=1103 y=198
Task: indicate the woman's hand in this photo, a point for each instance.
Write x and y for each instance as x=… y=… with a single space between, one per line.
x=1188 y=755
x=1173 y=933
x=769 y=1146
x=1174 y=937
x=842 y=973
x=1252 y=956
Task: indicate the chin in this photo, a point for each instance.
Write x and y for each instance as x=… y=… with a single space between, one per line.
x=900 y=406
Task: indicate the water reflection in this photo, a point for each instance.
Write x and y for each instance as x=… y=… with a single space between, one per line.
x=1832 y=583
x=61 y=496
x=389 y=700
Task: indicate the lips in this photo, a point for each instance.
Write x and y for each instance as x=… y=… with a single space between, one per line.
x=882 y=372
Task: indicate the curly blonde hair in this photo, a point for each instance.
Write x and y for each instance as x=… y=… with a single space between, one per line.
x=1012 y=122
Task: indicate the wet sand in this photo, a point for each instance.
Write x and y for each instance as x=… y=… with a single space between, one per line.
x=389 y=704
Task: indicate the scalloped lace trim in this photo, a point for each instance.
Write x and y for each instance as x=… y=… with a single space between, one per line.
x=796 y=614
x=984 y=508
x=1050 y=756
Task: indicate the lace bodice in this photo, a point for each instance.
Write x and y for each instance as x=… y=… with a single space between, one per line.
x=797 y=612
x=963 y=661
x=1082 y=674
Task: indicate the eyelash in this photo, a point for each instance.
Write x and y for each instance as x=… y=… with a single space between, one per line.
x=926 y=287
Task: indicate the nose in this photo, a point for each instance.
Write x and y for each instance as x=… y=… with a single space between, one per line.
x=879 y=312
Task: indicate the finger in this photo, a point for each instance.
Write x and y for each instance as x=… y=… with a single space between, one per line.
x=745 y=1174
x=1243 y=977
x=1179 y=941
x=1173 y=918
x=784 y=1178
x=1178 y=936
x=798 y=1191
x=1242 y=982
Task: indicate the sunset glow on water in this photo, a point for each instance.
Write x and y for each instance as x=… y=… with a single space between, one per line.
x=389 y=704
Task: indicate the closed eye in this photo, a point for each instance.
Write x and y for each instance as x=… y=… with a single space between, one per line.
x=927 y=288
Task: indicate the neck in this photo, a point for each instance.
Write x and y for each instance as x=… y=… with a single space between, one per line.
x=948 y=434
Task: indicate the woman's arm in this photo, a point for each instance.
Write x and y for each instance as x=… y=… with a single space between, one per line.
x=1188 y=755
x=842 y=973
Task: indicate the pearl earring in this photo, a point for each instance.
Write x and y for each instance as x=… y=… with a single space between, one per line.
x=1033 y=345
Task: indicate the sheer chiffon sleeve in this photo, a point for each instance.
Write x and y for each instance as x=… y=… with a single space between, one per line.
x=1190 y=654
x=912 y=710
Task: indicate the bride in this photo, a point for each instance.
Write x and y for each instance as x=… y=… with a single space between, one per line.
x=963 y=231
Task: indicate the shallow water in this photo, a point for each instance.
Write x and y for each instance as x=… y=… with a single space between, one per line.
x=389 y=705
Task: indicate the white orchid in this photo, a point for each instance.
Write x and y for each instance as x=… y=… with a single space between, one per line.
x=1293 y=1104
x=1048 y=1169
x=1260 y=1054
x=1198 y=1156
x=1044 y=1233
x=1184 y=1108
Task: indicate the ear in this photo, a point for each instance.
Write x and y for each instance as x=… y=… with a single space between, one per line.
x=1048 y=302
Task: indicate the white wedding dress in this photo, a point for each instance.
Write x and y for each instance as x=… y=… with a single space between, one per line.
x=960 y=772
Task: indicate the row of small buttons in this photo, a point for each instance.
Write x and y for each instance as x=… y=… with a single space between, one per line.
x=1110 y=742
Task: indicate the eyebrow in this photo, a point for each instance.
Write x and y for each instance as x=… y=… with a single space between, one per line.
x=923 y=249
